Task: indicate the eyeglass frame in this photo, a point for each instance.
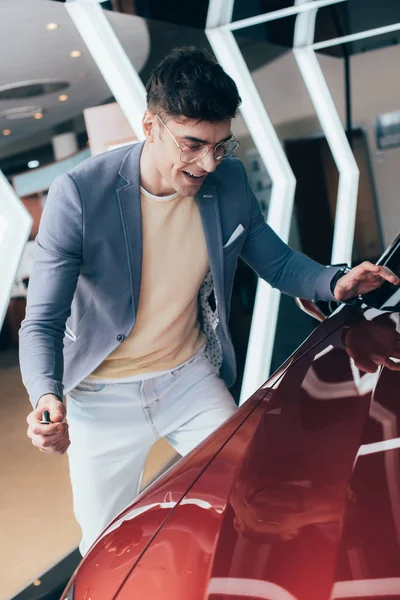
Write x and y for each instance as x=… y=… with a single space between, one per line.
x=182 y=147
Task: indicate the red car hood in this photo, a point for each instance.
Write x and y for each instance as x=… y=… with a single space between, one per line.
x=262 y=508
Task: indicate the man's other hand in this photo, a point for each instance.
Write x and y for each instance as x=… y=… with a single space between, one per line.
x=54 y=437
x=364 y=278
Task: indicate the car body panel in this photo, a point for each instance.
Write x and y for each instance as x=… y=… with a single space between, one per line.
x=296 y=497
x=269 y=506
x=107 y=564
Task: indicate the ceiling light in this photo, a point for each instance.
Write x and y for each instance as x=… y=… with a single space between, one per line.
x=20 y=112
x=63 y=97
x=38 y=115
x=32 y=164
x=75 y=53
x=52 y=26
x=6 y=131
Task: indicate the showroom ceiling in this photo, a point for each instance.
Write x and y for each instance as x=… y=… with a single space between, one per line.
x=43 y=89
x=41 y=84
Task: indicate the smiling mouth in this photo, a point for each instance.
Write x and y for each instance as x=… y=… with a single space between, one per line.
x=193 y=178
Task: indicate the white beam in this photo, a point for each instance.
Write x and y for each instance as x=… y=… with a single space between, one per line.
x=266 y=305
x=15 y=227
x=332 y=127
x=219 y=13
x=278 y=14
x=356 y=36
x=382 y=446
x=111 y=59
x=248 y=588
x=367 y=588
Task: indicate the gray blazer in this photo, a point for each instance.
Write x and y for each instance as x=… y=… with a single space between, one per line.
x=84 y=288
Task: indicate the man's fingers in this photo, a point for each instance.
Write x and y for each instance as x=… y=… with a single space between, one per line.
x=57 y=447
x=383 y=272
x=53 y=437
x=61 y=448
x=52 y=404
x=49 y=440
x=388 y=275
x=40 y=429
x=57 y=415
x=64 y=448
x=368 y=266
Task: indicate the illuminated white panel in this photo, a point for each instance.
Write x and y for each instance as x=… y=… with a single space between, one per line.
x=15 y=227
x=111 y=59
x=279 y=14
x=367 y=588
x=388 y=422
x=248 y=588
x=332 y=127
x=379 y=447
x=219 y=13
x=353 y=37
x=265 y=313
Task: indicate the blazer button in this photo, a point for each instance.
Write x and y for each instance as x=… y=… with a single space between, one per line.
x=120 y=337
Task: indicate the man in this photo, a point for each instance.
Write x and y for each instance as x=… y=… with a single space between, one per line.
x=136 y=256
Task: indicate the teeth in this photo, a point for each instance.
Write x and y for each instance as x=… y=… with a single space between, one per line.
x=191 y=175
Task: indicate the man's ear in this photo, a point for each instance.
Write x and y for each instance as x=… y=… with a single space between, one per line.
x=148 y=123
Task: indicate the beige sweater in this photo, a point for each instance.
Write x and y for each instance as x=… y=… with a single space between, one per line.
x=174 y=265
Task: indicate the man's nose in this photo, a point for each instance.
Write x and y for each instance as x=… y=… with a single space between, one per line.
x=208 y=163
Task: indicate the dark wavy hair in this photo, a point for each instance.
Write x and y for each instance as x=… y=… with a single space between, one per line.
x=190 y=82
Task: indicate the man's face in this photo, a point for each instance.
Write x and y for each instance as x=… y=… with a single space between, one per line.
x=169 y=173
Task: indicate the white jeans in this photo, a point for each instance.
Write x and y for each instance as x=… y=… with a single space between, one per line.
x=112 y=427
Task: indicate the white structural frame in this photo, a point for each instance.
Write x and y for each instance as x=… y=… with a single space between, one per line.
x=278 y=14
x=250 y=588
x=15 y=227
x=219 y=32
x=332 y=127
x=266 y=306
x=111 y=59
x=367 y=588
x=356 y=36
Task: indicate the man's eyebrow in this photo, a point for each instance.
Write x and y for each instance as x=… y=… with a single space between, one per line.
x=189 y=138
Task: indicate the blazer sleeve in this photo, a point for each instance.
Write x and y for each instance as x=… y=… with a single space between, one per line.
x=282 y=267
x=51 y=288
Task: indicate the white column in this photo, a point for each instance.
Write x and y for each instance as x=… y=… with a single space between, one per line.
x=111 y=59
x=266 y=306
x=15 y=227
x=333 y=129
x=64 y=145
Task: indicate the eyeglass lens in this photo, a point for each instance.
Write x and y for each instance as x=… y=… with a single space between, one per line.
x=223 y=150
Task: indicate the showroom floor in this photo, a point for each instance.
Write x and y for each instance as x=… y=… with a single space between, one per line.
x=37 y=526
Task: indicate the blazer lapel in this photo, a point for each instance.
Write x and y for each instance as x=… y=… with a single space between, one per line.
x=131 y=216
x=208 y=205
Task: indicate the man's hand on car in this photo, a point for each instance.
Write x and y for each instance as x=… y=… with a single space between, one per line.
x=362 y=279
x=52 y=438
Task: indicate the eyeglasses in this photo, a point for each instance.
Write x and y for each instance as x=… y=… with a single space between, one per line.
x=197 y=151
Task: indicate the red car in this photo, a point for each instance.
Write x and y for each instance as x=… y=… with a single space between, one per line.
x=296 y=497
